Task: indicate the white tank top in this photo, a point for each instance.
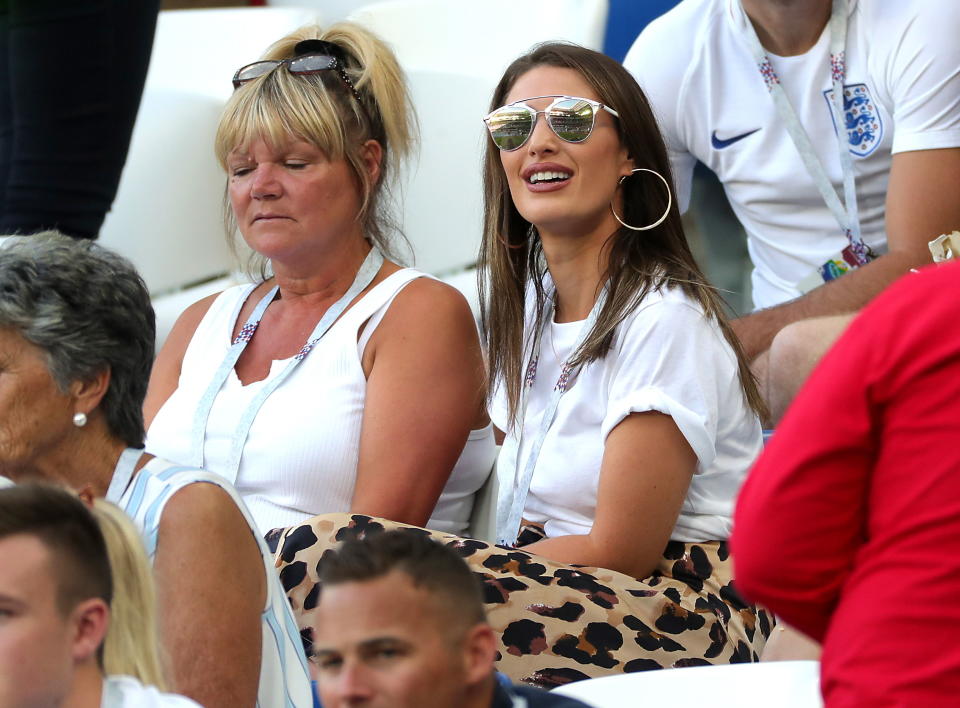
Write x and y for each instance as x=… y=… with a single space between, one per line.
x=300 y=458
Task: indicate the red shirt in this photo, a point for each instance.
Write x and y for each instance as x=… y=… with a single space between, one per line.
x=848 y=527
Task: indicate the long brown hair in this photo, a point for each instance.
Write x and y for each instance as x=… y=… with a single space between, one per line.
x=511 y=254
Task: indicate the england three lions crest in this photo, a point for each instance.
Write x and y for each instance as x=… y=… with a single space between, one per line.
x=863 y=124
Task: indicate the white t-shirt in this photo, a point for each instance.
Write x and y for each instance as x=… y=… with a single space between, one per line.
x=127 y=692
x=903 y=77
x=667 y=357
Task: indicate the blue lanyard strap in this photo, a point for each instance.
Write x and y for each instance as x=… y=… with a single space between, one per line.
x=366 y=274
x=123 y=473
x=846 y=213
x=512 y=498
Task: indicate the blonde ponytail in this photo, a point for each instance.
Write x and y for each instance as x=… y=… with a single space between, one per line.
x=381 y=83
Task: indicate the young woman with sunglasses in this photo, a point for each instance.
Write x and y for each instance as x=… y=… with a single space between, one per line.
x=340 y=381
x=629 y=411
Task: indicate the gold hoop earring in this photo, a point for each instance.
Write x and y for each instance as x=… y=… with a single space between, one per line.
x=666 y=211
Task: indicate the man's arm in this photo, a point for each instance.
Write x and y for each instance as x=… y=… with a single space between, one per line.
x=922 y=203
x=659 y=60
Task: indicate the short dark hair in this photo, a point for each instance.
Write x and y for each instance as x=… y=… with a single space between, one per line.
x=89 y=311
x=430 y=565
x=60 y=521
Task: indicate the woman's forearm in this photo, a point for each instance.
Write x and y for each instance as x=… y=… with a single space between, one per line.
x=583 y=549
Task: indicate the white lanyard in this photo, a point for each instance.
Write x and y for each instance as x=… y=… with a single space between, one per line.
x=366 y=274
x=847 y=216
x=510 y=505
x=123 y=473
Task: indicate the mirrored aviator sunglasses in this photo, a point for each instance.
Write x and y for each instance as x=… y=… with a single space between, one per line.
x=571 y=118
x=305 y=64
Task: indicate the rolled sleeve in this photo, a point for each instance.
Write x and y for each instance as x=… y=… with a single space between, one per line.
x=693 y=425
x=671 y=360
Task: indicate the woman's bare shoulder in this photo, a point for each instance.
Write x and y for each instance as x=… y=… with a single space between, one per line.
x=433 y=301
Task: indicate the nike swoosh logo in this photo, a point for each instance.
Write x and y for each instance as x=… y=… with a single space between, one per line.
x=719 y=144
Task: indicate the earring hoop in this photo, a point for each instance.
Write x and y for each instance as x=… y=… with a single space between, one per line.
x=79 y=419
x=666 y=211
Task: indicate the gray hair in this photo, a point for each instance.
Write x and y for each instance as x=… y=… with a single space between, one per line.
x=89 y=311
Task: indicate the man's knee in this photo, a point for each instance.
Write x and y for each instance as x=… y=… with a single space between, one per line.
x=795 y=352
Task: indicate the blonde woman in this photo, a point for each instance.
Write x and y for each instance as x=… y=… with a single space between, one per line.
x=343 y=382
x=132 y=645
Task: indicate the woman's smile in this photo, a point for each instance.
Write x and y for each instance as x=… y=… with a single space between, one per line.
x=546 y=176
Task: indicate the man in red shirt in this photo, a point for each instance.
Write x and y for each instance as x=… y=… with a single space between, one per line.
x=848 y=527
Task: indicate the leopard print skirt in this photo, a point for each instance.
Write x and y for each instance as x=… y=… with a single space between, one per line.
x=559 y=623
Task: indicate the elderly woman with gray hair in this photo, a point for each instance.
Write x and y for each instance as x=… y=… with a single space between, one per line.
x=76 y=347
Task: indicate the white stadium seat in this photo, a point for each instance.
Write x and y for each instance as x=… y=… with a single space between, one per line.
x=441 y=193
x=333 y=10
x=480 y=36
x=784 y=684
x=454 y=52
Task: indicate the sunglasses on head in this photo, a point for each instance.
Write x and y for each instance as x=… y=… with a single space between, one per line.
x=313 y=56
x=570 y=117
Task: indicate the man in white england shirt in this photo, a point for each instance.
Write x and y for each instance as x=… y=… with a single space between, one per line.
x=901 y=115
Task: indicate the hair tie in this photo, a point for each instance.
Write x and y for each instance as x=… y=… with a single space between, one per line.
x=319 y=46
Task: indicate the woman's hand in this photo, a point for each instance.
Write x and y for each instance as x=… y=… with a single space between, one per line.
x=646 y=470
x=425 y=392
